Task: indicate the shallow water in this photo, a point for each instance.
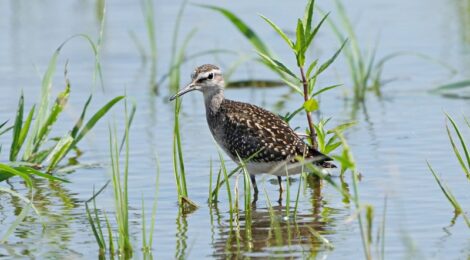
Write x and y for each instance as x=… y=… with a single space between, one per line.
x=391 y=142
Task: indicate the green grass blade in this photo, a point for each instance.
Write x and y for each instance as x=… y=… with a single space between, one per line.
x=144 y=228
x=25 y=129
x=311 y=67
x=58 y=107
x=219 y=184
x=327 y=63
x=175 y=44
x=457 y=153
x=242 y=27
x=281 y=67
x=9 y=171
x=355 y=50
x=300 y=46
x=3 y=124
x=14 y=149
x=450 y=197
x=79 y=123
x=315 y=31
x=454 y=86
x=293 y=86
x=227 y=183
x=95 y=223
x=279 y=31
x=95 y=118
x=308 y=16
x=462 y=142
x=180 y=152
x=154 y=207
x=42 y=114
x=149 y=15
x=59 y=152
x=110 y=233
x=325 y=89
x=179 y=59
x=94 y=228
x=129 y=122
x=32 y=171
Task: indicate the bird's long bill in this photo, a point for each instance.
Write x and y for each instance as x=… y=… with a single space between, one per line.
x=183 y=91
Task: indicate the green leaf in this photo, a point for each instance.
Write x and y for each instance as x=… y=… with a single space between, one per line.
x=462 y=142
x=32 y=171
x=242 y=27
x=293 y=86
x=311 y=67
x=457 y=153
x=320 y=137
x=308 y=15
x=315 y=31
x=325 y=89
x=279 y=31
x=88 y=126
x=325 y=65
x=2 y=131
x=58 y=107
x=340 y=128
x=25 y=129
x=330 y=147
x=95 y=118
x=59 y=151
x=446 y=191
x=311 y=105
x=454 y=86
x=42 y=112
x=17 y=129
x=79 y=123
x=300 y=43
x=7 y=171
x=129 y=122
x=278 y=65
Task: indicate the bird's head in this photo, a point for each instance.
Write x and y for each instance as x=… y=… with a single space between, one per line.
x=206 y=78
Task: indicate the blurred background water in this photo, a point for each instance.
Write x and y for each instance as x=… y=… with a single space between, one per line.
x=391 y=142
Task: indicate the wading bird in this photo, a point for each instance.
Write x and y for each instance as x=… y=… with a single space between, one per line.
x=247 y=132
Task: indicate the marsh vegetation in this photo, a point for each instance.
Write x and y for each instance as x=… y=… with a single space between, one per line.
x=96 y=163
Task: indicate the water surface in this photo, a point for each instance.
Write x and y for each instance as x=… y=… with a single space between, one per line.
x=391 y=142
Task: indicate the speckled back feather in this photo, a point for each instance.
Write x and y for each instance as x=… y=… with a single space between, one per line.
x=246 y=129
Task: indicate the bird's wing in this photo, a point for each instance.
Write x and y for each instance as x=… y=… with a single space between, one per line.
x=252 y=131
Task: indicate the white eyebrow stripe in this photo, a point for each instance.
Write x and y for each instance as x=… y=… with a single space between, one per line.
x=206 y=74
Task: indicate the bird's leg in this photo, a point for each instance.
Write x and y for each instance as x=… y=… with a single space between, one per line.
x=279 y=180
x=255 y=187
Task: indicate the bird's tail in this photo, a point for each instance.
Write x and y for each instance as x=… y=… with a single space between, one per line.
x=322 y=160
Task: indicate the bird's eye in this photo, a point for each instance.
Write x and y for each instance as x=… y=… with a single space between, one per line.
x=210 y=76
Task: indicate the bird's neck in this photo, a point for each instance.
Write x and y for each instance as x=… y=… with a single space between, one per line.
x=213 y=99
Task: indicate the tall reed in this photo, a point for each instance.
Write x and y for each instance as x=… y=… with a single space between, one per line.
x=120 y=190
x=178 y=164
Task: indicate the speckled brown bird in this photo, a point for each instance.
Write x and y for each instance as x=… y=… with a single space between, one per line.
x=244 y=130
